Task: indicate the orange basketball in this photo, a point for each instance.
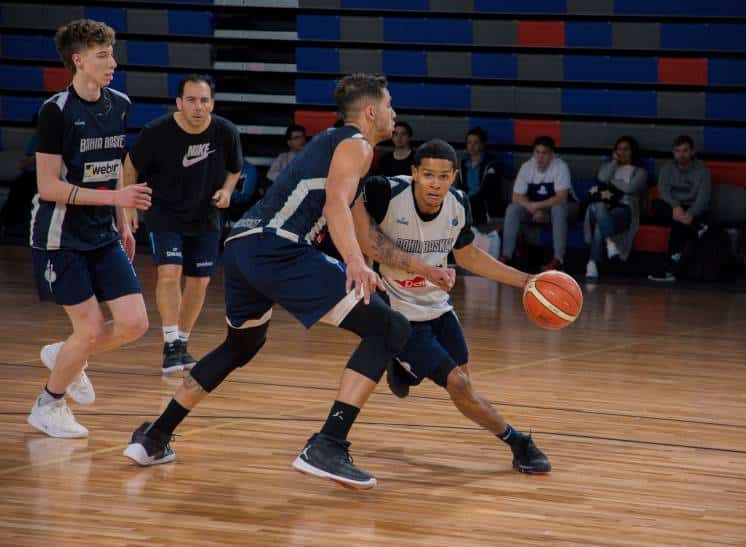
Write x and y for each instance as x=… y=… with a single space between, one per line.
x=552 y=299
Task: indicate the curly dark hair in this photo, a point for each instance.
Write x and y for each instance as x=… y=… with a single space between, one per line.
x=81 y=34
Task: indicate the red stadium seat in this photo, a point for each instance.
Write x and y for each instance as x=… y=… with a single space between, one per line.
x=727 y=172
x=652 y=239
x=56 y=78
x=315 y=121
x=541 y=33
x=682 y=71
x=527 y=130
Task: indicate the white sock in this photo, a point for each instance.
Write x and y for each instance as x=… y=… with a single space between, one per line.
x=611 y=249
x=183 y=336
x=170 y=334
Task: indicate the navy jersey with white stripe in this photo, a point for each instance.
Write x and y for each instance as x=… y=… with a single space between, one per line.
x=293 y=206
x=90 y=137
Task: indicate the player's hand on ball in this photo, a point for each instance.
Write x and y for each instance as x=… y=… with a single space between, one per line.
x=363 y=279
x=221 y=198
x=136 y=195
x=443 y=278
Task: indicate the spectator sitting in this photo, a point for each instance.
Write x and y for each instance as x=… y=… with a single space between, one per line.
x=613 y=217
x=401 y=160
x=480 y=177
x=541 y=193
x=295 y=136
x=684 y=189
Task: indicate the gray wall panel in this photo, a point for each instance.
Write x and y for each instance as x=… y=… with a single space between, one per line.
x=672 y=104
x=16 y=138
x=590 y=7
x=361 y=29
x=360 y=60
x=464 y=6
x=451 y=129
x=636 y=35
x=39 y=16
x=190 y=55
x=665 y=135
x=540 y=100
x=147 y=21
x=120 y=51
x=540 y=67
x=492 y=98
x=495 y=33
x=147 y=83
x=449 y=63
x=587 y=134
x=582 y=166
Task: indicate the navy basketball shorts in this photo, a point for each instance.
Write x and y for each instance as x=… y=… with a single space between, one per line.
x=263 y=269
x=435 y=348
x=69 y=277
x=197 y=255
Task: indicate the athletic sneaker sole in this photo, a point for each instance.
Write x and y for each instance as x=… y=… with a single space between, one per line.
x=138 y=454
x=530 y=471
x=172 y=370
x=72 y=393
x=304 y=467
x=32 y=421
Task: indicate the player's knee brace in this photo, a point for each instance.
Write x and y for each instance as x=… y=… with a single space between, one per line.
x=384 y=334
x=238 y=348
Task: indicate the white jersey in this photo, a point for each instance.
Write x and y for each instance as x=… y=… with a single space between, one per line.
x=429 y=237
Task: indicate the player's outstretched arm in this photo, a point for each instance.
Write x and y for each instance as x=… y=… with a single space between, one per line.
x=378 y=246
x=53 y=188
x=480 y=263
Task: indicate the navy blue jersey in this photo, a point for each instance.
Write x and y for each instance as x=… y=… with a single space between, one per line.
x=90 y=137
x=293 y=206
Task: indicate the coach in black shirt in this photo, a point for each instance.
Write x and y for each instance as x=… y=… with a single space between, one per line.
x=192 y=161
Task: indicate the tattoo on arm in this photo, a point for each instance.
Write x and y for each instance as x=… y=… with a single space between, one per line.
x=192 y=385
x=386 y=251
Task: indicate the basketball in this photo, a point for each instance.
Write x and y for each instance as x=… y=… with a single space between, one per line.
x=552 y=299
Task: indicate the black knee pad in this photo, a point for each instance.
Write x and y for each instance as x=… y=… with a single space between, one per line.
x=238 y=348
x=384 y=334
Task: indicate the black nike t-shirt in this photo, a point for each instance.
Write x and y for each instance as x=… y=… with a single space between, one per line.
x=184 y=171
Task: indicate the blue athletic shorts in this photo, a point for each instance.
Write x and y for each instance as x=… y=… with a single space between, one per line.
x=197 y=255
x=263 y=269
x=70 y=277
x=435 y=348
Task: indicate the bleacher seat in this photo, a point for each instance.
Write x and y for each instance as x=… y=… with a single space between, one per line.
x=317 y=59
x=519 y=6
x=19 y=109
x=405 y=63
x=652 y=238
x=116 y=18
x=142 y=113
x=727 y=71
x=140 y=52
x=588 y=34
x=21 y=77
x=725 y=140
x=726 y=106
x=408 y=5
x=21 y=46
x=190 y=23
x=494 y=65
x=315 y=121
x=318 y=27
x=499 y=131
x=447 y=96
x=309 y=91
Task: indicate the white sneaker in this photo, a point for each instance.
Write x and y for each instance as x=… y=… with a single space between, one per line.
x=81 y=388
x=55 y=419
x=591 y=270
x=611 y=249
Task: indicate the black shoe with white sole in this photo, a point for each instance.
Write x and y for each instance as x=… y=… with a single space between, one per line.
x=149 y=446
x=172 y=358
x=527 y=458
x=329 y=458
x=187 y=361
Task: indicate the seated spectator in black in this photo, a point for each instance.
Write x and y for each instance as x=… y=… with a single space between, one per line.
x=613 y=217
x=401 y=160
x=542 y=193
x=295 y=135
x=16 y=212
x=480 y=177
x=684 y=189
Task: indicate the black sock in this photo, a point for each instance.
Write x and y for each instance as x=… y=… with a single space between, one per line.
x=171 y=417
x=510 y=436
x=53 y=395
x=340 y=420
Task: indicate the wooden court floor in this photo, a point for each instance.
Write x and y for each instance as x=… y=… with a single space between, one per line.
x=641 y=406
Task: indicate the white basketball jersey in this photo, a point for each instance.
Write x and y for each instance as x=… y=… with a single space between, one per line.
x=430 y=241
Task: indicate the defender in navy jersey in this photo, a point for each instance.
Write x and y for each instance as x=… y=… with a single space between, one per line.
x=81 y=242
x=191 y=159
x=429 y=218
x=269 y=258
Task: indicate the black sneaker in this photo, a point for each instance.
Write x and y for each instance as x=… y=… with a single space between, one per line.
x=187 y=360
x=394 y=380
x=172 y=358
x=329 y=458
x=149 y=446
x=527 y=458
